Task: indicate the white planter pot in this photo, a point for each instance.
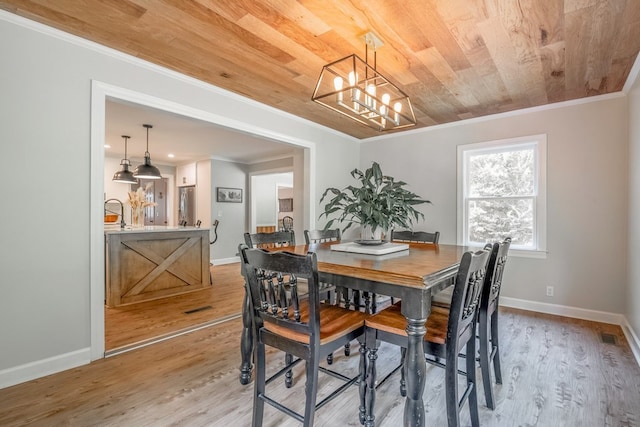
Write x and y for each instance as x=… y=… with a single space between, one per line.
x=368 y=234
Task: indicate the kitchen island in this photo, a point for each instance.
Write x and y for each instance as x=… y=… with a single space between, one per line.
x=152 y=262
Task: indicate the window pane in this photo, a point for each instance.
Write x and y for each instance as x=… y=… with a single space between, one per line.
x=501 y=174
x=493 y=220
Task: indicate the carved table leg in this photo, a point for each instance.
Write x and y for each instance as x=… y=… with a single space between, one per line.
x=246 y=341
x=403 y=381
x=415 y=368
x=362 y=382
x=370 y=399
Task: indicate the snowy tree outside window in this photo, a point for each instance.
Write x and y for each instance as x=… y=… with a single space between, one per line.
x=501 y=192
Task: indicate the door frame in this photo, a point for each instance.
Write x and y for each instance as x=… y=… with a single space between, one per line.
x=100 y=92
x=252 y=194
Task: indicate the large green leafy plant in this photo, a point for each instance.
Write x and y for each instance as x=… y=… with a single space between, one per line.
x=379 y=202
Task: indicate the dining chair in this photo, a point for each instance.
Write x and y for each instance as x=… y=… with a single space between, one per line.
x=415 y=236
x=267 y=240
x=322 y=236
x=336 y=295
x=487 y=333
x=350 y=298
x=448 y=332
x=270 y=240
x=488 y=320
x=287 y=223
x=408 y=236
x=305 y=328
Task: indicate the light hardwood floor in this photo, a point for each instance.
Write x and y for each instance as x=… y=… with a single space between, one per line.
x=136 y=324
x=557 y=372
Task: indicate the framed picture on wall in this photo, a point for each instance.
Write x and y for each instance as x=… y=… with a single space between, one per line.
x=231 y=195
x=285 y=205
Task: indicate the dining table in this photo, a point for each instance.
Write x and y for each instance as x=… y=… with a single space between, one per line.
x=413 y=275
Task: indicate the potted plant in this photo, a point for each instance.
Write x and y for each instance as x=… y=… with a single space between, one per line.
x=378 y=203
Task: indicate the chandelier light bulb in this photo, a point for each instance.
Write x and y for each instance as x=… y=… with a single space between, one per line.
x=353 y=78
x=397 y=107
x=369 y=100
x=337 y=84
x=355 y=93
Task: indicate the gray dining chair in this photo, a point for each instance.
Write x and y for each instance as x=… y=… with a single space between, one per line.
x=415 y=236
x=302 y=327
x=488 y=320
x=448 y=333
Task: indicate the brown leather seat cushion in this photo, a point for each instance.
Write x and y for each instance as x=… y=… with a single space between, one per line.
x=334 y=323
x=393 y=321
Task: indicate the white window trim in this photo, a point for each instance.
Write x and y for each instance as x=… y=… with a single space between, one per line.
x=541 y=198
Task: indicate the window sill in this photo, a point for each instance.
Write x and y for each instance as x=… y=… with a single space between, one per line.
x=520 y=253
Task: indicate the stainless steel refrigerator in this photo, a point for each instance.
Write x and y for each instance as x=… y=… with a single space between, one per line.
x=187 y=205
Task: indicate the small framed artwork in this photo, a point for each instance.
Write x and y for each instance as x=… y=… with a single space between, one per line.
x=231 y=195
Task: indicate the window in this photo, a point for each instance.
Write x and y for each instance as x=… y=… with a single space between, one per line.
x=502 y=193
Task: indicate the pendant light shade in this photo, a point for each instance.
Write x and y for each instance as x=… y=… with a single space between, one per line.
x=147 y=170
x=124 y=175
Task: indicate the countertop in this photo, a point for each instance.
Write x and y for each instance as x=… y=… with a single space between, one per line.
x=115 y=229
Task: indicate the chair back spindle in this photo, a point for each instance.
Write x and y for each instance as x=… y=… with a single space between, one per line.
x=273 y=286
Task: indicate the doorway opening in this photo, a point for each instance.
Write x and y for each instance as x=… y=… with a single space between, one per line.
x=155 y=191
x=100 y=94
x=268 y=191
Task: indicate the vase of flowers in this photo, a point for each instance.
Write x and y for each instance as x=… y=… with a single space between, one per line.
x=138 y=202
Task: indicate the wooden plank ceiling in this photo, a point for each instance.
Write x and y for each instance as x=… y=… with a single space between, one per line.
x=456 y=59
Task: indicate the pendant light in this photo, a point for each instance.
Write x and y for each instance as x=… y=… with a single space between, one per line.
x=147 y=170
x=124 y=175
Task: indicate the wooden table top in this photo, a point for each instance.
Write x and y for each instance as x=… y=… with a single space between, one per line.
x=421 y=266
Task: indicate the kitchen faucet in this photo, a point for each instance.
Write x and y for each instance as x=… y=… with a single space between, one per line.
x=122 y=223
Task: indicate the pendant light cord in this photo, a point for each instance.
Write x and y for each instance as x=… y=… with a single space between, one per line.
x=126 y=140
x=146 y=153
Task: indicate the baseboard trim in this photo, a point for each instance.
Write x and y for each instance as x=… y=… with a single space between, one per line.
x=44 y=367
x=563 y=310
x=222 y=261
x=632 y=339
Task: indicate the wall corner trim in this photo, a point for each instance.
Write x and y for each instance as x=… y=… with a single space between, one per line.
x=632 y=339
x=44 y=367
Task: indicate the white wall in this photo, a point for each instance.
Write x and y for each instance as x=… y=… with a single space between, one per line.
x=632 y=309
x=46 y=83
x=586 y=196
x=266 y=196
x=232 y=216
x=204 y=193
